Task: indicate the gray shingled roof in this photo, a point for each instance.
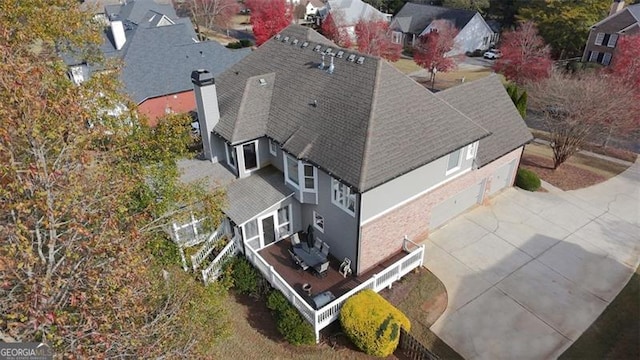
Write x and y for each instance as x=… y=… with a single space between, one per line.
x=365 y=124
x=414 y=18
x=486 y=101
x=158 y=60
x=248 y=197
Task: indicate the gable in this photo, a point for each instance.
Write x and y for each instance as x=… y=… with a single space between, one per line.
x=420 y=16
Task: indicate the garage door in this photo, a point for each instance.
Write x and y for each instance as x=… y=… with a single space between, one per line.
x=502 y=177
x=455 y=205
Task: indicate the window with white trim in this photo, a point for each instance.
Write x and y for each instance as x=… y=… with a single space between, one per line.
x=231 y=155
x=251 y=230
x=396 y=37
x=613 y=39
x=599 y=38
x=273 y=148
x=318 y=221
x=250 y=155
x=593 y=56
x=284 y=221
x=309 y=173
x=472 y=150
x=606 y=59
x=343 y=197
x=453 y=163
x=291 y=171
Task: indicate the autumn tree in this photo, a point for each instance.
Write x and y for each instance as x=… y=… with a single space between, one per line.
x=564 y=25
x=373 y=38
x=579 y=107
x=212 y=14
x=268 y=17
x=433 y=47
x=80 y=206
x=475 y=5
x=625 y=62
x=331 y=31
x=525 y=56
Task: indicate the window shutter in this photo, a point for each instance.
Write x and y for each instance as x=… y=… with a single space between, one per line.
x=612 y=40
x=606 y=59
x=599 y=38
x=593 y=56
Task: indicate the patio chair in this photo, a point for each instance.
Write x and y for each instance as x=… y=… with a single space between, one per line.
x=325 y=249
x=297 y=261
x=317 y=244
x=295 y=239
x=321 y=270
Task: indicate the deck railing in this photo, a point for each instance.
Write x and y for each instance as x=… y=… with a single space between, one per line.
x=208 y=246
x=213 y=270
x=321 y=318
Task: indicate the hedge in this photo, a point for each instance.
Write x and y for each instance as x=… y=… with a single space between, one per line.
x=372 y=323
x=289 y=322
x=527 y=179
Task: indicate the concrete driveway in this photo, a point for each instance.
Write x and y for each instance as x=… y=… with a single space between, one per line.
x=528 y=274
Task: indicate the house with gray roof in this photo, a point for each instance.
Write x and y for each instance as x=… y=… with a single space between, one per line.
x=415 y=20
x=347 y=13
x=603 y=36
x=157 y=51
x=361 y=153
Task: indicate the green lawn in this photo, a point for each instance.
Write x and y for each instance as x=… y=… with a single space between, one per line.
x=616 y=333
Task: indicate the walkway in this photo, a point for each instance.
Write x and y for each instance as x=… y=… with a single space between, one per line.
x=528 y=275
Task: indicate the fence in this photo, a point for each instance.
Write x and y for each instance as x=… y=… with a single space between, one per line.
x=413 y=349
x=213 y=270
x=209 y=245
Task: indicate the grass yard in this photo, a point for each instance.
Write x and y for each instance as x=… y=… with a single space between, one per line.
x=616 y=332
x=406 y=66
x=578 y=172
x=423 y=298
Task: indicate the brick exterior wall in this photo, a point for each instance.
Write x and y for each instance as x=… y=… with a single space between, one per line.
x=156 y=108
x=383 y=236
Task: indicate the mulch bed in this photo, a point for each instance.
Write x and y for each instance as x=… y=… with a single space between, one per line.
x=565 y=177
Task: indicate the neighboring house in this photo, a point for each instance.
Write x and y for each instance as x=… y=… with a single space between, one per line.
x=604 y=35
x=415 y=20
x=356 y=150
x=158 y=50
x=347 y=13
x=314 y=7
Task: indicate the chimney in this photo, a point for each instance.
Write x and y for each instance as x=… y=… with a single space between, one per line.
x=616 y=6
x=204 y=86
x=117 y=30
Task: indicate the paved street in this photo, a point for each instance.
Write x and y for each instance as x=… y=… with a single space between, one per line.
x=528 y=274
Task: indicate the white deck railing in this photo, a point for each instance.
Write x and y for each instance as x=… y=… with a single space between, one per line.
x=208 y=246
x=213 y=270
x=321 y=318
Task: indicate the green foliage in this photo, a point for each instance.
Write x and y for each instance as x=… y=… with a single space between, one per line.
x=243 y=43
x=289 y=322
x=246 y=279
x=164 y=251
x=519 y=98
x=527 y=179
x=372 y=323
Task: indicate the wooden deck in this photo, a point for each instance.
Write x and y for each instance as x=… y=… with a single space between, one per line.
x=277 y=256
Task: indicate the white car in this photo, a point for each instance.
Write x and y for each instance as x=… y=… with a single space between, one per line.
x=492 y=54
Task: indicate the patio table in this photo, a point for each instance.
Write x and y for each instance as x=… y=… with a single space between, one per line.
x=310 y=255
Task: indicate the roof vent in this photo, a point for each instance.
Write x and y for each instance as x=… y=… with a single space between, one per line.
x=278 y=37
x=286 y=38
x=361 y=60
x=294 y=42
x=305 y=44
x=340 y=54
x=317 y=48
x=262 y=82
x=352 y=58
x=328 y=50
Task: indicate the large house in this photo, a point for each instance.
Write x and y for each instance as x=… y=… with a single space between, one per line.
x=158 y=50
x=347 y=13
x=415 y=20
x=604 y=35
x=358 y=150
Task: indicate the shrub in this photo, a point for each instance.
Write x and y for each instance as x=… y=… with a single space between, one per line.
x=246 y=278
x=372 y=323
x=408 y=50
x=289 y=322
x=527 y=179
x=240 y=44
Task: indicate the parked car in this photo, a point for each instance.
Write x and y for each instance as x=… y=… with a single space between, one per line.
x=492 y=54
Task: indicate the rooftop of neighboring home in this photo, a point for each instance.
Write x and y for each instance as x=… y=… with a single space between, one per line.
x=159 y=49
x=360 y=119
x=351 y=11
x=414 y=18
x=631 y=22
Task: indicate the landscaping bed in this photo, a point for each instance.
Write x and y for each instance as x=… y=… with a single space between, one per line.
x=578 y=172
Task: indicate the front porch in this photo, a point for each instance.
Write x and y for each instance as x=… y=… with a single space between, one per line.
x=277 y=256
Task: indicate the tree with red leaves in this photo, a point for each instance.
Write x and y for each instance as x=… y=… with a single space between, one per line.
x=626 y=60
x=373 y=38
x=432 y=48
x=268 y=17
x=525 y=56
x=334 y=33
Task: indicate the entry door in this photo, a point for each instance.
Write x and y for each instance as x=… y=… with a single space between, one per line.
x=268 y=232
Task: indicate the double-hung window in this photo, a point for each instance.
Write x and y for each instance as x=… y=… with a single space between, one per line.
x=453 y=163
x=343 y=197
x=284 y=221
x=309 y=175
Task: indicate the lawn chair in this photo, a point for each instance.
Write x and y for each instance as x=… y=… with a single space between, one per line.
x=321 y=270
x=325 y=249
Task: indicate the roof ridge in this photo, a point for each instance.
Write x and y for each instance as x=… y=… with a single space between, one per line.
x=367 y=142
x=458 y=110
